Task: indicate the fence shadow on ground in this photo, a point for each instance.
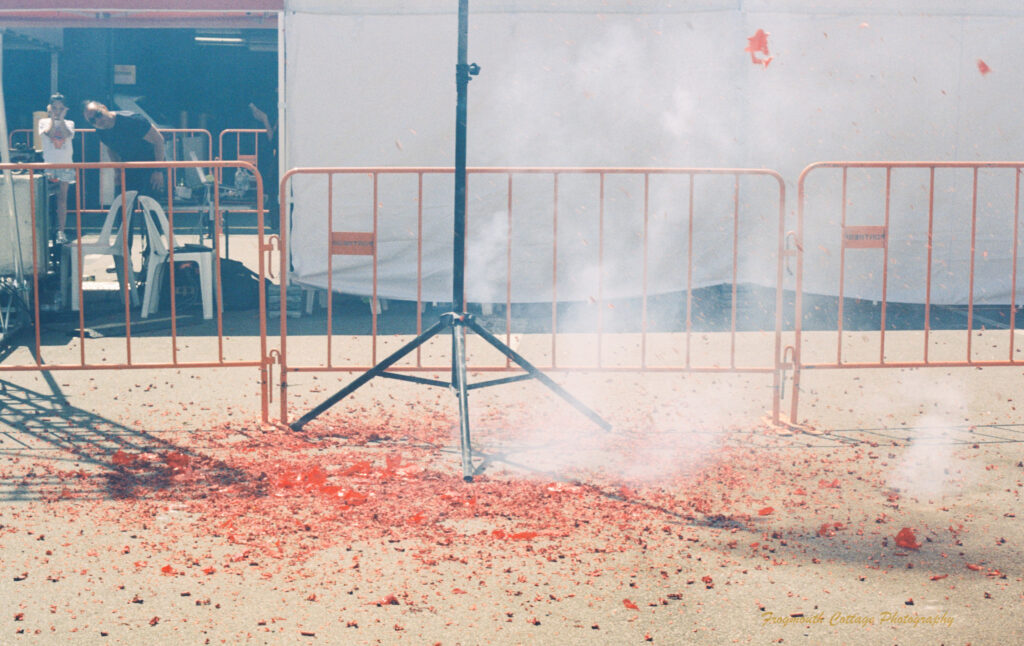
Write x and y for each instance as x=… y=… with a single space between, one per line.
x=69 y=452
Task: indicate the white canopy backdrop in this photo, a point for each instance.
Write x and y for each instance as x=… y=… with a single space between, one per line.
x=654 y=83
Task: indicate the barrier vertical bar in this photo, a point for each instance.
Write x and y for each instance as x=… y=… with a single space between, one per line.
x=735 y=268
x=126 y=267
x=419 y=264
x=330 y=270
x=170 y=275
x=798 y=297
x=842 y=273
x=689 y=273
x=284 y=224
x=600 y=270
x=780 y=252
x=928 y=278
x=885 y=264
x=508 y=267
x=1013 y=277
x=373 y=301
x=974 y=240
x=554 y=276
x=646 y=260
x=35 y=258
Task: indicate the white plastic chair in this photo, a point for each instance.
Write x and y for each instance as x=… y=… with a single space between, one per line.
x=109 y=244
x=159 y=257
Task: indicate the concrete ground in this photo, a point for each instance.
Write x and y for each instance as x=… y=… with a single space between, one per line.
x=154 y=506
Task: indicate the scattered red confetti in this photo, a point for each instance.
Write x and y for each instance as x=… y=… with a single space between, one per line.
x=975 y=567
x=983 y=67
x=353 y=497
x=362 y=467
x=177 y=460
x=825 y=484
x=154 y=621
x=828 y=530
x=122 y=459
x=629 y=604
x=168 y=569
x=905 y=538
x=765 y=511
x=386 y=600
x=758 y=44
x=19 y=617
x=938 y=577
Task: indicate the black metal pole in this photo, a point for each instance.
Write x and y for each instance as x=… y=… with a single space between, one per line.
x=462 y=73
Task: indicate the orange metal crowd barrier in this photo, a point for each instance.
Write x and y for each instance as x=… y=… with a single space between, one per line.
x=604 y=198
x=87 y=147
x=247 y=147
x=19 y=137
x=916 y=240
x=86 y=356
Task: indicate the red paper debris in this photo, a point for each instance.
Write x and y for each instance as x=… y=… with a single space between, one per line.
x=122 y=459
x=386 y=600
x=177 y=460
x=765 y=511
x=905 y=538
x=983 y=67
x=758 y=44
x=938 y=577
x=629 y=604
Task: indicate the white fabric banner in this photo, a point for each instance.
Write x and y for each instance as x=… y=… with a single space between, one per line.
x=373 y=84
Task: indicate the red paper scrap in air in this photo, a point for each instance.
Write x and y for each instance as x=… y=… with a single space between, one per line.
x=905 y=538
x=983 y=67
x=758 y=44
x=765 y=511
x=629 y=604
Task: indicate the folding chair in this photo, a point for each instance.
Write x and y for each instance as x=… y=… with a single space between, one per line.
x=157 y=229
x=109 y=244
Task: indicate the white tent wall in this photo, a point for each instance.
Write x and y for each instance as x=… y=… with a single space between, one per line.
x=654 y=84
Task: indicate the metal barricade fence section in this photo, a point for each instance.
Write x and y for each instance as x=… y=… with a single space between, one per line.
x=891 y=264
x=908 y=265
x=80 y=305
x=594 y=269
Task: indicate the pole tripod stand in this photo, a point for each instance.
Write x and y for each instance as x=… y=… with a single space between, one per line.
x=458 y=320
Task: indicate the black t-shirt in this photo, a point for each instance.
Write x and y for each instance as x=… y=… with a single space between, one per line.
x=126 y=138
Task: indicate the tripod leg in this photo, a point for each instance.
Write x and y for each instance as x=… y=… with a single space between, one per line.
x=537 y=374
x=371 y=373
x=459 y=380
